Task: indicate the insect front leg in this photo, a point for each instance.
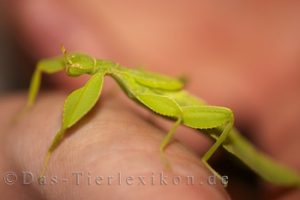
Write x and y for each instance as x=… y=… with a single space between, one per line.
x=76 y=106
x=48 y=66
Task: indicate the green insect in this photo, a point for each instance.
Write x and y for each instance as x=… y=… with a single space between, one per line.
x=164 y=96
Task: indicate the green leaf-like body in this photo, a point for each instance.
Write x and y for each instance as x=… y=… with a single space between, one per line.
x=163 y=95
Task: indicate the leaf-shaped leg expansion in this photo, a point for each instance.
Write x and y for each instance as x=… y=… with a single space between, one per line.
x=77 y=104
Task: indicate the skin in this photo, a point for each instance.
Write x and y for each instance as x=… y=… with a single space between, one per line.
x=258 y=44
x=130 y=146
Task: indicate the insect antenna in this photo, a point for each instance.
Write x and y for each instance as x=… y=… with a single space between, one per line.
x=64 y=51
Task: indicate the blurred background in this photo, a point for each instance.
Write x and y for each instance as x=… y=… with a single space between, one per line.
x=240 y=54
x=12 y=58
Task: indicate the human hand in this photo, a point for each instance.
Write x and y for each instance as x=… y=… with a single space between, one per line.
x=112 y=142
x=233 y=54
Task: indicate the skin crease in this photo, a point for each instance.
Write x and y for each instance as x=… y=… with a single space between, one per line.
x=243 y=55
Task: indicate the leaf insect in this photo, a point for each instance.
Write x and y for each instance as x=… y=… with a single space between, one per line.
x=164 y=96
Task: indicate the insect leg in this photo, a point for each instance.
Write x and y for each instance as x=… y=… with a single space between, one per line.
x=48 y=66
x=76 y=106
x=165 y=106
x=215 y=146
x=169 y=135
x=58 y=137
x=208 y=117
x=166 y=141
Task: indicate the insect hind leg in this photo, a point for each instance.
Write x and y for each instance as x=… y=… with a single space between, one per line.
x=215 y=146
